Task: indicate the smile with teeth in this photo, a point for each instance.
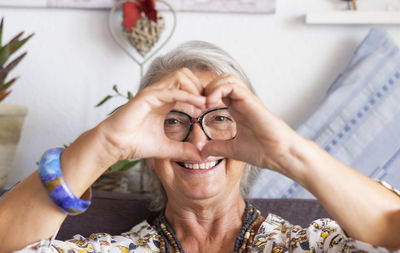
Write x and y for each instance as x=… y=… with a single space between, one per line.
x=199 y=166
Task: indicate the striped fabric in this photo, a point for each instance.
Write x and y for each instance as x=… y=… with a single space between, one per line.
x=358 y=122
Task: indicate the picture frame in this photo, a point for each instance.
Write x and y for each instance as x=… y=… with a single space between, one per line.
x=227 y=6
x=354 y=12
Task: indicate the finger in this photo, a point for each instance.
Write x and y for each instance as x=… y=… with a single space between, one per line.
x=195 y=80
x=225 y=93
x=181 y=151
x=182 y=79
x=224 y=89
x=222 y=80
x=218 y=148
x=172 y=96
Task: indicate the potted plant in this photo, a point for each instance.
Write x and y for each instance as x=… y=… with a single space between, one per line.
x=11 y=116
x=116 y=177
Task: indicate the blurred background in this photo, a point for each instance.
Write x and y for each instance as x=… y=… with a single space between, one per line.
x=73 y=62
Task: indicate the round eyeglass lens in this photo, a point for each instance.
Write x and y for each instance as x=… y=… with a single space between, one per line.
x=219 y=125
x=176 y=125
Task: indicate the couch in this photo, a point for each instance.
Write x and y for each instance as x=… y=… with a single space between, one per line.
x=116 y=213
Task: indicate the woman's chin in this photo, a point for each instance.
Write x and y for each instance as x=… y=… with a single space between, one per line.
x=202 y=193
x=203 y=183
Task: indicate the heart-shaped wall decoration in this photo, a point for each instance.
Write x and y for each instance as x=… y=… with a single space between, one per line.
x=145 y=33
x=144 y=36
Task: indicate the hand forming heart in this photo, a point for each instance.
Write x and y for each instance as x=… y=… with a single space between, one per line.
x=136 y=129
x=262 y=139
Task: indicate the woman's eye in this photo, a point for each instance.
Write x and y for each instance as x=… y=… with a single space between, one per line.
x=220 y=118
x=171 y=122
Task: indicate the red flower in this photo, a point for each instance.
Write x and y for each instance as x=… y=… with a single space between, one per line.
x=132 y=11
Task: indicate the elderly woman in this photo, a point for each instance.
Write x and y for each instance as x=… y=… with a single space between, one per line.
x=199 y=128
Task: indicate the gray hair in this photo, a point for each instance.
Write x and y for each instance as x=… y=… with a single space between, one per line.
x=196 y=56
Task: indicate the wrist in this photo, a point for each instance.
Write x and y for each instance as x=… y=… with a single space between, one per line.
x=109 y=148
x=309 y=163
x=53 y=181
x=295 y=162
x=86 y=159
x=117 y=136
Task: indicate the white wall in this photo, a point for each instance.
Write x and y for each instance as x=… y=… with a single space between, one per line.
x=72 y=63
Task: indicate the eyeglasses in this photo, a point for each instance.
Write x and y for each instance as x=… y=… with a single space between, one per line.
x=217 y=124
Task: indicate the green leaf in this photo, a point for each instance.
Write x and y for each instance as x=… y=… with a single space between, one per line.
x=14 y=63
x=4 y=54
x=1 y=31
x=3 y=95
x=8 y=84
x=104 y=100
x=3 y=76
x=114 y=110
x=16 y=38
x=115 y=88
x=15 y=45
x=123 y=165
x=4 y=71
x=130 y=96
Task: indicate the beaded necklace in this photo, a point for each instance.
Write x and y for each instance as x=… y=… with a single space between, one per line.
x=243 y=243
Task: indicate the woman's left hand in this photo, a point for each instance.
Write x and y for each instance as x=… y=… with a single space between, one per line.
x=266 y=141
x=262 y=138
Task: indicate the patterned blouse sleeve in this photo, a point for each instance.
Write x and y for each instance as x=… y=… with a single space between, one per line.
x=95 y=243
x=141 y=238
x=323 y=235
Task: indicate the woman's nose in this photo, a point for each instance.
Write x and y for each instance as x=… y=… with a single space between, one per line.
x=197 y=137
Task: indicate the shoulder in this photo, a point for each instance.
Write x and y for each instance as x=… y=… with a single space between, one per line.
x=141 y=238
x=323 y=235
x=278 y=234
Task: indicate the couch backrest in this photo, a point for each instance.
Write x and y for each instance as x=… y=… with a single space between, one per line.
x=115 y=213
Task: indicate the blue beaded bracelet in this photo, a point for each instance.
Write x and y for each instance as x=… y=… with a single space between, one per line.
x=52 y=179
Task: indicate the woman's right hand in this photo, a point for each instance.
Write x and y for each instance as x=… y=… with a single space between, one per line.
x=136 y=129
x=133 y=131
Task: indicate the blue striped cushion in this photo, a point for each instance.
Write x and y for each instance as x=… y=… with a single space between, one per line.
x=358 y=121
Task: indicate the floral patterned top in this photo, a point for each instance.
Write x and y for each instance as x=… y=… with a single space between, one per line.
x=274 y=235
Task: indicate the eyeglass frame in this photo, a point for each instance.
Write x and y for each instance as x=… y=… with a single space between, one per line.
x=194 y=120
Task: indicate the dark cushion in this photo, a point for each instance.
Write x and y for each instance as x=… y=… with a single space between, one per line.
x=115 y=213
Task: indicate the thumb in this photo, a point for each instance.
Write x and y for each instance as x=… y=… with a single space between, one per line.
x=218 y=148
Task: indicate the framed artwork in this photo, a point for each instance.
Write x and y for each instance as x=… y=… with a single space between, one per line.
x=233 y=6
x=357 y=12
x=369 y=5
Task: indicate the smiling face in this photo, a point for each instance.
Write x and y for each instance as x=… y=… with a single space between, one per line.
x=212 y=178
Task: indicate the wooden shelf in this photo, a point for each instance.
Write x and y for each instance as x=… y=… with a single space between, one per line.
x=354 y=17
